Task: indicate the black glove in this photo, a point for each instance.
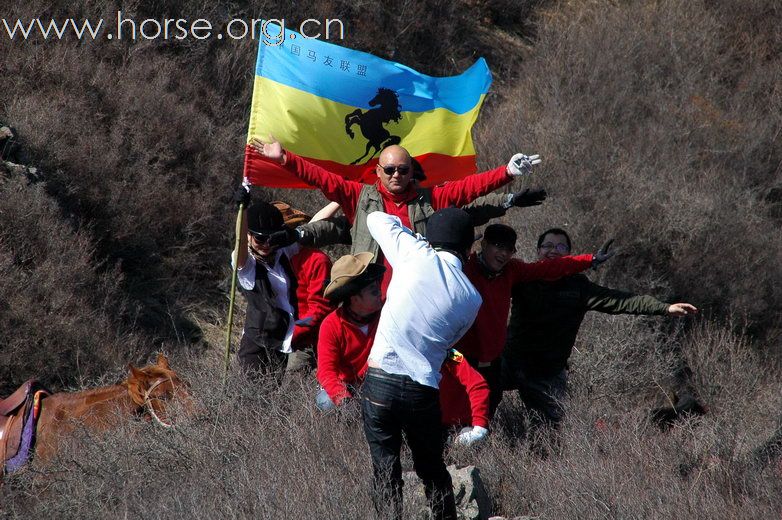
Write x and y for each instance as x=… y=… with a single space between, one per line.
x=283 y=238
x=242 y=196
x=603 y=254
x=527 y=198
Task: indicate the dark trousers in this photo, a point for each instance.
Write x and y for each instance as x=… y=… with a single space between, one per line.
x=542 y=395
x=492 y=373
x=261 y=360
x=392 y=404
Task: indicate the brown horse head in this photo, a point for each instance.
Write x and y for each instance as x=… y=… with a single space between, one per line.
x=152 y=387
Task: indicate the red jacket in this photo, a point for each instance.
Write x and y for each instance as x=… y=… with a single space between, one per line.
x=464 y=395
x=486 y=338
x=346 y=192
x=343 y=351
x=311 y=268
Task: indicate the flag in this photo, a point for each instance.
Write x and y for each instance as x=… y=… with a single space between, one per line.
x=338 y=108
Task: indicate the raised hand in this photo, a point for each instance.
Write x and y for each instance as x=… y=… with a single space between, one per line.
x=521 y=164
x=603 y=254
x=272 y=150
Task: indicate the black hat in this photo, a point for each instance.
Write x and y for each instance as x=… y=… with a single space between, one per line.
x=450 y=228
x=500 y=234
x=264 y=219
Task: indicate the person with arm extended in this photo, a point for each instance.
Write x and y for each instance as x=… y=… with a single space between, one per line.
x=544 y=322
x=430 y=304
x=494 y=272
x=394 y=192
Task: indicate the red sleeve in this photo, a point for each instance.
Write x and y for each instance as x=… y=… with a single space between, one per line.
x=477 y=391
x=329 y=353
x=314 y=273
x=461 y=192
x=548 y=269
x=334 y=187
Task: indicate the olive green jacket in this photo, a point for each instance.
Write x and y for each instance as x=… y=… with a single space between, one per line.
x=337 y=230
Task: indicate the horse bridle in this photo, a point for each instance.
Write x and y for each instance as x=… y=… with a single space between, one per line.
x=148 y=402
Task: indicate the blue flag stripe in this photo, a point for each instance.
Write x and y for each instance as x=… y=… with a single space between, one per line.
x=353 y=77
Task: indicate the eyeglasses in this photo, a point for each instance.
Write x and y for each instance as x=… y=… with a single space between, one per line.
x=560 y=248
x=403 y=169
x=505 y=247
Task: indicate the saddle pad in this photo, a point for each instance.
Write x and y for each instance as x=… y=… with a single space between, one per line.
x=27 y=441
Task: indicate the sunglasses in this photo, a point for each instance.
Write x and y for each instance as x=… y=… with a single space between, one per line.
x=403 y=169
x=261 y=238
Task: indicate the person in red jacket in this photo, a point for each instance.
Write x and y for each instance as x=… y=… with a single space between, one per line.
x=493 y=272
x=311 y=267
x=464 y=400
x=346 y=334
x=394 y=192
x=346 y=337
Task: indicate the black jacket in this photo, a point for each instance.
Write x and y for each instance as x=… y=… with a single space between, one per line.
x=545 y=318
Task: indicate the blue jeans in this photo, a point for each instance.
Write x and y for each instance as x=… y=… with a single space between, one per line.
x=392 y=404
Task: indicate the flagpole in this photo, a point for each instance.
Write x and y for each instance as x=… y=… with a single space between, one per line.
x=239 y=219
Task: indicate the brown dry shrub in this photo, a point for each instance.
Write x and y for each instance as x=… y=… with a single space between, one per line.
x=659 y=127
x=56 y=310
x=264 y=452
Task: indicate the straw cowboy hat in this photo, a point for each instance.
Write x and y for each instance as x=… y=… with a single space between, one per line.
x=350 y=274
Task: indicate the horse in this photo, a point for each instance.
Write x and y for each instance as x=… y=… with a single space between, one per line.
x=145 y=393
x=371 y=122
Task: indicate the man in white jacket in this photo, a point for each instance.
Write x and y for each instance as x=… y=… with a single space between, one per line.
x=430 y=305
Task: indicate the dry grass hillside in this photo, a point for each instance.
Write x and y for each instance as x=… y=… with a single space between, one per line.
x=659 y=125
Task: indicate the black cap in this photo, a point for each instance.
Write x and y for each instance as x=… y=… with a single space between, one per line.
x=500 y=234
x=450 y=228
x=264 y=218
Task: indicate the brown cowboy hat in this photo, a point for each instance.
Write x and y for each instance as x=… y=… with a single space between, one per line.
x=350 y=274
x=291 y=216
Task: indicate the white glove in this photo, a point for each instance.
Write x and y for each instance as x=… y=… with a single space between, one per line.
x=521 y=164
x=470 y=435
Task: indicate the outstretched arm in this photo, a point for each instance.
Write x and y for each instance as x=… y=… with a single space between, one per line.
x=462 y=192
x=333 y=186
x=495 y=205
x=613 y=301
x=324 y=233
x=328 y=211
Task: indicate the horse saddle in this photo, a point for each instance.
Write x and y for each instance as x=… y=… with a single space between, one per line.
x=18 y=417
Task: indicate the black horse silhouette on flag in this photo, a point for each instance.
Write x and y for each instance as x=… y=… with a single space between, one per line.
x=371 y=122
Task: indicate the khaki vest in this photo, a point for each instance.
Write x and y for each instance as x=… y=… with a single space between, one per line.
x=419 y=210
